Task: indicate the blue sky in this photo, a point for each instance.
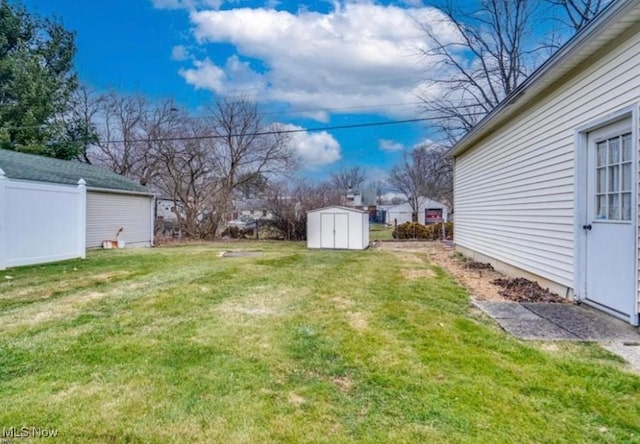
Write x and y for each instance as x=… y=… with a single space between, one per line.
x=308 y=65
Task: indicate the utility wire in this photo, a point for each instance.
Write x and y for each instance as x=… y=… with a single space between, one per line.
x=270 y=132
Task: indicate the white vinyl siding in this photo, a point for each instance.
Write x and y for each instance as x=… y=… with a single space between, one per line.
x=514 y=191
x=40 y=222
x=108 y=212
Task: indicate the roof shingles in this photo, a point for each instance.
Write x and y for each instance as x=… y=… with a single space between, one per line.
x=21 y=166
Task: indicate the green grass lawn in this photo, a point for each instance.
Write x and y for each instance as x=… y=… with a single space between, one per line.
x=380 y=232
x=178 y=344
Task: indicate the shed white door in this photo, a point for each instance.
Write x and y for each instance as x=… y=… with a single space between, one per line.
x=334 y=230
x=610 y=273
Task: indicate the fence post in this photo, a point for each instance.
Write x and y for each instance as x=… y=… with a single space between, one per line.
x=3 y=220
x=82 y=218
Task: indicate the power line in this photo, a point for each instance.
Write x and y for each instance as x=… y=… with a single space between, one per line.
x=270 y=132
x=344 y=108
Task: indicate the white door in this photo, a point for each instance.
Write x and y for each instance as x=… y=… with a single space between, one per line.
x=610 y=229
x=341 y=231
x=326 y=231
x=334 y=231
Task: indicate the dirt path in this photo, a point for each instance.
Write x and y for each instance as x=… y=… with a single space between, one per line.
x=478 y=282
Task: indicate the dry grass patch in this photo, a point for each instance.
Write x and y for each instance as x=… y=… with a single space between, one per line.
x=477 y=281
x=413 y=273
x=358 y=320
x=342 y=302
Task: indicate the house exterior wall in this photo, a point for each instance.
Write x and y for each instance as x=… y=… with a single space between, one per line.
x=257 y=214
x=402 y=213
x=166 y=209
x=40 y=222
x=108 y=212
x=357 y=227
x=514 y=191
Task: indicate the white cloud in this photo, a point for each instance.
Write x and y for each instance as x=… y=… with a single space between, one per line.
x=215 y=4
x=187 y=4
x=315 y=149
x=205 y=75
x=180 y=53
x=358 y=55
x=428 y=143
x=389 y=145
x=234 y=78
x=171 y=4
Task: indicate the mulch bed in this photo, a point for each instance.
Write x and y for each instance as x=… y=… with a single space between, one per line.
x=524 y=290
x=478 y=266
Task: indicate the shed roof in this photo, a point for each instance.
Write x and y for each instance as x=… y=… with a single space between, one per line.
x=21 y=166
x=338 y=207
x=612 y=22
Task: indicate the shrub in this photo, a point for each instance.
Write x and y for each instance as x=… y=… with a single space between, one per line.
x=414 y=230
x=237 y=233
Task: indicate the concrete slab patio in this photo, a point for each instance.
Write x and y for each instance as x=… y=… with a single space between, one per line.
x=566 y=322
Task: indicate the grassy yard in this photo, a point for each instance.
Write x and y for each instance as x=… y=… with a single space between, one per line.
x=178 y=344
x=380 y=232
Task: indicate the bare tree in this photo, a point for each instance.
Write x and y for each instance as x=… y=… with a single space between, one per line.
x=185 y=172
x=202 y=164
x=580 y=12
x=487 y=59
x=345 y=180
x=424 y=172
x=79 y=122
x=119 y=126
x=158 y=126
x=244 y=149
x=290 y=201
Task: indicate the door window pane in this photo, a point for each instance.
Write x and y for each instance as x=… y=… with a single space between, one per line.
x=601 y=186
x=601 y=207
x=614 y=178
x=626 y=148
x=614 y=207
x=602 y=153
x=614 y=150
x=626 y=177
x=626 y=206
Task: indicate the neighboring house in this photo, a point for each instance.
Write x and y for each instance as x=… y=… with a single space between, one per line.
x=361 y=199
x=249 y=210
x=429 y=212
x=52 y=209
x=546 y=186
x=166 y=209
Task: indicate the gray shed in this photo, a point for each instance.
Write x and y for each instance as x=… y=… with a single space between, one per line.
x=338 y=227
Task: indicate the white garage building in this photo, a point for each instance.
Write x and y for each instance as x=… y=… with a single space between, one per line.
x=52 y=209
x=338 y=228
x=429 y=212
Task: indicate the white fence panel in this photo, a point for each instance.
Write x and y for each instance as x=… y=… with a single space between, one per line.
x=41 y=222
